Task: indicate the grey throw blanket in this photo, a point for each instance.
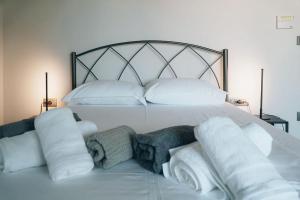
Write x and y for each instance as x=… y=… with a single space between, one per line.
x=151 y=150
x=111 y=147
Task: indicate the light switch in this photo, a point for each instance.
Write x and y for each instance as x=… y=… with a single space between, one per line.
x=298 y=40
x=298 y=116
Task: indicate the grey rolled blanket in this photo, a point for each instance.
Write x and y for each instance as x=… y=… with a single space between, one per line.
x=111 y=147
x=151 y=150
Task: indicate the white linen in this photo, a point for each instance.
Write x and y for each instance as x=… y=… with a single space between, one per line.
x=104 y=92
x=188 y=166
x=240 y=164
x=285 y=147
x=24 y=151
x=87 y=127
x=63 y=145
x=20 y=152
x=153 y=117
x=127 y=181
x=132 y=182
x=259 y=137
x=176 y=149
x=183 y=91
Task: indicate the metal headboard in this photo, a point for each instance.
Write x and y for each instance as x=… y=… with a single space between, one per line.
x=222 y=55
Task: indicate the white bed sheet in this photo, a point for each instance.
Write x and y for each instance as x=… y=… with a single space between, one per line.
x=128 y=180
x=153 y=117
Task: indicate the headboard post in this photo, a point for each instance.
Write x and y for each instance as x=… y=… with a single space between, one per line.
x=73 y=61
x=225 y=70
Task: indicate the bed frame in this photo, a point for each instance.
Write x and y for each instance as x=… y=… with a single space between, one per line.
x=151 y=44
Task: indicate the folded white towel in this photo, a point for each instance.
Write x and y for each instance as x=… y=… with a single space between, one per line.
x=239 y=163
x=24 y=151
x=63 y=145
x=261 y=138
x=188 y=166
x=176 y=149
x=20 y=152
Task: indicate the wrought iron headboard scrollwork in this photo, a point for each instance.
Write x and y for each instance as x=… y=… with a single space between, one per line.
x=89 y=69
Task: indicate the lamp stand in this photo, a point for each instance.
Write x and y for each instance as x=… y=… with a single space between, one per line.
x=46 y=91
x=261 y=115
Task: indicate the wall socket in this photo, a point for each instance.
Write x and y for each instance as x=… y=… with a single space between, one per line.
x=52 y=102
x=298 y=116
x=298 y=40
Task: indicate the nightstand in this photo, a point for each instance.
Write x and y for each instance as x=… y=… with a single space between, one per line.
x=272 y=119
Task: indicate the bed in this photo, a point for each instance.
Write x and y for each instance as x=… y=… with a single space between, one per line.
x=128 y=180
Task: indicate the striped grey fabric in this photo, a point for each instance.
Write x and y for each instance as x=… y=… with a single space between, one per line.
x=108 y=148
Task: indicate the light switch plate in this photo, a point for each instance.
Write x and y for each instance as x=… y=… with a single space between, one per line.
x=298 y=116
x=298 y=40
x=285 y=22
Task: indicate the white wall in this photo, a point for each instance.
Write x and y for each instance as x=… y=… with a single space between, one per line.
x=1 y=65
x=40 y=34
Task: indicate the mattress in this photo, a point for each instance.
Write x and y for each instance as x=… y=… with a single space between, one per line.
x=128 y=180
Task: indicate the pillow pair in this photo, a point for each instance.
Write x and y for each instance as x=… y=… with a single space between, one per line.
x=159 y=91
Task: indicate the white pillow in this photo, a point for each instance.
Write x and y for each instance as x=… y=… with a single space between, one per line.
x=183 y=92
x=107 y=92
x=21 y=152
x=87 y=127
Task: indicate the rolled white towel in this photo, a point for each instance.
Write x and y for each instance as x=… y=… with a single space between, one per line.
x=261 y=138
x=20 y=152
x=166 y=166
x=63 y=145
x=188 y=166
x=241 y=166
x=24 y=151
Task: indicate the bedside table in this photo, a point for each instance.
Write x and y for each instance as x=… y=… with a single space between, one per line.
x=272 y=119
